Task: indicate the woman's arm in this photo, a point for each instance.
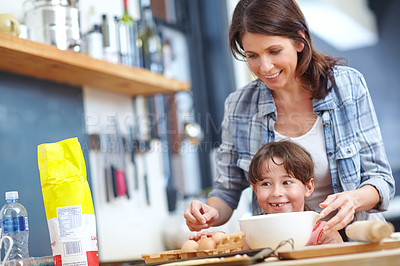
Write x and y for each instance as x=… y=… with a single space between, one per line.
x=224 y=211
x=371 y=188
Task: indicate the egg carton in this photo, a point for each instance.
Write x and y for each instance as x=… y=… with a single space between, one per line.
x=231 y=242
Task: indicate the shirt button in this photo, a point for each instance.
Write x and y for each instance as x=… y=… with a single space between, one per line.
x=348 y=151
x=330 y=154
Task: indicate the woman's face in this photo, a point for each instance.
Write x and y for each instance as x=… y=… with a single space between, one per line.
x=279 y=191
x=273 y=59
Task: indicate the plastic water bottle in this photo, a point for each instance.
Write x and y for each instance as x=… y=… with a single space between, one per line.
x=14 y=223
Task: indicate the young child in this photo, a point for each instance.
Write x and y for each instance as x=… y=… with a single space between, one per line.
x=282 y=176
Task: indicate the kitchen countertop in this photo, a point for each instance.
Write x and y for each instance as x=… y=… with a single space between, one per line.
x=389 y=257
x=381 y=257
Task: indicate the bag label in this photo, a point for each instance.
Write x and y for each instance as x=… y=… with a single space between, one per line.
x=69 y=218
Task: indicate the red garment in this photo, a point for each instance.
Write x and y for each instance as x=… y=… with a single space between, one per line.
x=316 y=233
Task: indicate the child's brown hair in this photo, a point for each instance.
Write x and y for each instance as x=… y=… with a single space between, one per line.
x=296 y=161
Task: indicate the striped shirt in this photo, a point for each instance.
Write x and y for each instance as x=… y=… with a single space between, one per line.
x=354 y=146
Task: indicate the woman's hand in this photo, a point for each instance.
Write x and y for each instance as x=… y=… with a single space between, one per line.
x=348 y=203
x=196 y=237
x=200 y=216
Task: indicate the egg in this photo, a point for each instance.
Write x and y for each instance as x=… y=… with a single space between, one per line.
x=217 y=237
x=206 y=243
x=190 y=245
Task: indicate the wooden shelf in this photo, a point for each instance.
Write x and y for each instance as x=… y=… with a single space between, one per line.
x=48 y=62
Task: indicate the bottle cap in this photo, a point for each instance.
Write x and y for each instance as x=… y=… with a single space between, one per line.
x=11 y=195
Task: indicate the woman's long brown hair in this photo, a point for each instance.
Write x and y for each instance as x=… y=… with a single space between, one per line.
x=284 y=18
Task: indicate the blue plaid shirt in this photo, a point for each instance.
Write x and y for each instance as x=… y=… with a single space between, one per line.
x=353 y=140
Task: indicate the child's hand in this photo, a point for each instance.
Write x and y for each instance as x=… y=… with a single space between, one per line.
x=330 y=238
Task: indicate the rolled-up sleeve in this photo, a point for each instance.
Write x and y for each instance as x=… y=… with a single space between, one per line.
x=230 y=179
x=375 y=168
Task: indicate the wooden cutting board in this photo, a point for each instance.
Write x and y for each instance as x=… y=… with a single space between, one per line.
x=337 y=249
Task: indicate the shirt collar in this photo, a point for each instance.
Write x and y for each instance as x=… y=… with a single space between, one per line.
x=326 y=103
x=266 y=103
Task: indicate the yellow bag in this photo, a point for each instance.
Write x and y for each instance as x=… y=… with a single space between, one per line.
x=68 y=203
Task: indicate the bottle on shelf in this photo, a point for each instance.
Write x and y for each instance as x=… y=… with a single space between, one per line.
x=108 y=29
x=127 y=39
x=151 y=43
x=14 y=223
x=94 y=42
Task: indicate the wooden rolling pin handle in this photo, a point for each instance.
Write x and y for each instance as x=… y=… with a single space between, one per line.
x=369 y=231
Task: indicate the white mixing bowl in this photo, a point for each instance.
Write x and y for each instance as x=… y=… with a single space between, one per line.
x=268 y=231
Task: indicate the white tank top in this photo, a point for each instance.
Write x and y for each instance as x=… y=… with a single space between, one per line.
x=314 y=142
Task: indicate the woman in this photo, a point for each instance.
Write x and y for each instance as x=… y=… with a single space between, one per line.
x=304 y=96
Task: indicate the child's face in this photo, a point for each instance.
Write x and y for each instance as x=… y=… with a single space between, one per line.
x=279 y=191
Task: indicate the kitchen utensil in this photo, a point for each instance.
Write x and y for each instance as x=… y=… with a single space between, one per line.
x=142 y=137
x=133 y=148
x=54 y=22
x=7 y=253
x=9 y=24
x=263 y=231
x=369 y=231
x=337 y=249
x=99 y=180
x=105 y=142
x=122 y=184
x=144 y=147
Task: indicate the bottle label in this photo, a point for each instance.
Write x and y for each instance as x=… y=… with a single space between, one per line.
x=15 y=224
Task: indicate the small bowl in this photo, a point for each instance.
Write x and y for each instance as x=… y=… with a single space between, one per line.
x=268 y=231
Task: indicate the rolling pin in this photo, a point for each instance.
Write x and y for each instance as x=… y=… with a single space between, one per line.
x=369 y=231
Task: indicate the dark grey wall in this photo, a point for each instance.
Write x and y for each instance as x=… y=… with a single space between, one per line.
x=33 y=112
x=380 y=66
x=205 y=25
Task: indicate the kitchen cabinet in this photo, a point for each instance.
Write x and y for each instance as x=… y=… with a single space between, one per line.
x=48 y=62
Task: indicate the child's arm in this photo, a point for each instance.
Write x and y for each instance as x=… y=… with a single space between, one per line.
x=318 y=236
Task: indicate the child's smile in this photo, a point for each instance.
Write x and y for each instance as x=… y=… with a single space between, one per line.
x=278 y=206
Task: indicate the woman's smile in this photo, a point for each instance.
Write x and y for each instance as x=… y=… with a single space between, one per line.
x=273 y=76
